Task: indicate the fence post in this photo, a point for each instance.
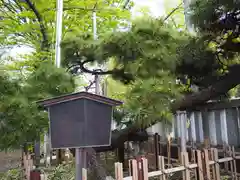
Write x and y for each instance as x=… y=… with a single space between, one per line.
x=230 y=153
x=145 y=168
x=130 y=167
x=139 y=168
x=200 y=167
x=84 y=174
x=225 y=149
x=193 y=159
x=206 y=163
x=217 y=168
x=118 y=171
x=162 y=167
x=134 y=172
x=179 y=149
x=213 y=167
x=186 y=165
x=156 y=149
x=234 y=163
x=182 y=163
x=160 y=146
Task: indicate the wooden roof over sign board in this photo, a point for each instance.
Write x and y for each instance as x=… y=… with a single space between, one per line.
x=79 y=95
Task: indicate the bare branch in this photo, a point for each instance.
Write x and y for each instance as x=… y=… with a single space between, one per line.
x=171 y=13
x=45 y=44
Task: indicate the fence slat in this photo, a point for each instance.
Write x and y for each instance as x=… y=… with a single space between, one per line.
x=156 y=150
x=213 y=166
x=200 y=168
x=234 y=163
x=182 y=163
x=206 y=163
x=225 y=149
x=145 y=168
x=193 y=152
x=186 y=164
x=217 y=168
x=118 y=171
x=162 y=167
x=84 y=174
x=130 y=167
x=231 y=163
x=134 y=170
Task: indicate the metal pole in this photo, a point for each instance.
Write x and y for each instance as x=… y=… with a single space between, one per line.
x=58 y=33
x=57 y=53
x=58 y=39
x=79 y=164
x=97 y=78
x=94 y=16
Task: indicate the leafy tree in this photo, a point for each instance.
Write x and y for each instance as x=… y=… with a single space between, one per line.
x=32 y=23
x=153 y=55
x=33 y=77
x=21 y=120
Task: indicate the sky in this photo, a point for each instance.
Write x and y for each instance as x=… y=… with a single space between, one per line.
x=156 y=6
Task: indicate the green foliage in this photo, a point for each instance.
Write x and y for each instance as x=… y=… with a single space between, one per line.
x=175 y=8
x=218 y=22
x=149 y=101
x=14 y=174
x=152 y=54
x=63 y=172
x=148 y=54
x=149 y=44
x=32 y=77
x=21 y=120
x=32 y=23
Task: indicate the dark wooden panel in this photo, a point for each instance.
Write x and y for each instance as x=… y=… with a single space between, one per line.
x=98 y=124
x=67 y=124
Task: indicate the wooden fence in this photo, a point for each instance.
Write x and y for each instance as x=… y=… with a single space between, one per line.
x=205 y=165
x=27 y=165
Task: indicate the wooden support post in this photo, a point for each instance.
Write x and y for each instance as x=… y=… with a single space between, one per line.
x=162 y=167
x=200 y=167
x=160 y=146
x=217 y=168
x=206 y=164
